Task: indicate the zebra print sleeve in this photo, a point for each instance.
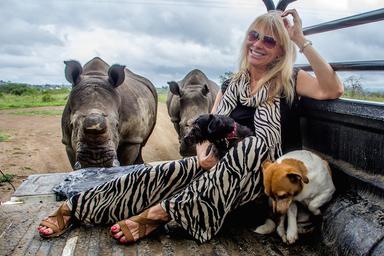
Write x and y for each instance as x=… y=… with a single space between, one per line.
x=228 y=101
x=224 y=86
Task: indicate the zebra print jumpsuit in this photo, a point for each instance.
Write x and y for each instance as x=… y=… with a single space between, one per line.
x=196 y=199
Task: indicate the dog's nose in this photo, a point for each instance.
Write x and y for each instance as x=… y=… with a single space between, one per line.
x=187 y=140
x=187 y=150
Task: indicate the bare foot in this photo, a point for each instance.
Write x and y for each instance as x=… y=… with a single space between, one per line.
x=45 y=230
x=155 y=213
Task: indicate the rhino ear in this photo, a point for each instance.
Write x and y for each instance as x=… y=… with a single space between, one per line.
x=73 y=71
x=205 y=90
x=116 y=75
x=174 y=88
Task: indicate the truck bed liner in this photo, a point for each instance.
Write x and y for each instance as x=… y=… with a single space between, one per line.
x=18 y=234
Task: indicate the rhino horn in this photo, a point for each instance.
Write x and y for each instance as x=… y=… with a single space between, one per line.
x=94 y=124
x=174 y=88
x=116 y=75
x=73 y=71
x=205 y=90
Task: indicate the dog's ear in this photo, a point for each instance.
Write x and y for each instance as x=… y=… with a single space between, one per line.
x=296 y=177
x=265 y=164
x=267 y=177
x=328 y=168
x=300 y=169
x=215 y=124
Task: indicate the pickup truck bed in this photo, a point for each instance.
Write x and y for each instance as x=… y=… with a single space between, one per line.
x=18 y=236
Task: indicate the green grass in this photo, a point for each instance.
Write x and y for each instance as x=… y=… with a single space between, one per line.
x=59 y=98
x=6 y=177
x=3 y=137
x=43 y=99
x=162 y=98
x=38 y=113
x=9 y=101
x=364 y=97
x=162 y=94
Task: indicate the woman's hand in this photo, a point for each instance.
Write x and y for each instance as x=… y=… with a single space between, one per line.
x=295 y=30
x=326 y=84
x=206 y=161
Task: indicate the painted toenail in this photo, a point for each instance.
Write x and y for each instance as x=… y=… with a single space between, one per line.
x=113 y=228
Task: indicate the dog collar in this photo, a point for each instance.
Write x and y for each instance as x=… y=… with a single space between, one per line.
x=232 y=135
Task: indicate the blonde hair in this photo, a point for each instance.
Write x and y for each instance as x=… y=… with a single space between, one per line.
x=279 y=75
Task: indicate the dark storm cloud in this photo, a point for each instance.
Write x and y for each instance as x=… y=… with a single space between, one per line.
x=35 y=25
x=192 y=24
x=18 y=32
x=40 y=12
x=181 y=22
x=365 y=42
x=13 y=50
x=162 y=40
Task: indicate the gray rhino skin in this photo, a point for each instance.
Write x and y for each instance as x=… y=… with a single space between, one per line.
x=192 y=96
x=109 y=115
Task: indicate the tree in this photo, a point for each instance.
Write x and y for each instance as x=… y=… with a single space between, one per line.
x=353 y=86
x=226 y=76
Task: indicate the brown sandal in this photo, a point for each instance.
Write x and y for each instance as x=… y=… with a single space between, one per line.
x=140 y=219
x=62 y=227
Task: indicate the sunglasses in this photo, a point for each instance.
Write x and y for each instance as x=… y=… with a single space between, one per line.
x=268 y=41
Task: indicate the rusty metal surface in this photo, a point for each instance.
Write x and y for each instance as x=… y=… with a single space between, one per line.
x=18 y=236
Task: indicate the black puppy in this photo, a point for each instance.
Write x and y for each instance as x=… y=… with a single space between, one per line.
x=222 y=131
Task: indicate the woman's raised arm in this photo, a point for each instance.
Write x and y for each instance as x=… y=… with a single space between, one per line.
x=326 y=84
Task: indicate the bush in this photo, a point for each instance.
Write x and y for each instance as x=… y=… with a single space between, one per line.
x=6 y=177
x=3 y=137
x=227 y=75
x=47 y=98
x=17 y=89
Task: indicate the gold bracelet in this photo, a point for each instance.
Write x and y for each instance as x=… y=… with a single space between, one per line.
x=308 y=42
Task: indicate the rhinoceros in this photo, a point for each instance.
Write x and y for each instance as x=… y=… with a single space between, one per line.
x=109 y=115
x=192 y=96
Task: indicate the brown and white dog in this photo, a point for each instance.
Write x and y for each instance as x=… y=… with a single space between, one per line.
x=300 y=176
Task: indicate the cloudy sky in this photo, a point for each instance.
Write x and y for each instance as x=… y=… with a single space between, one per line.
x=162 y=39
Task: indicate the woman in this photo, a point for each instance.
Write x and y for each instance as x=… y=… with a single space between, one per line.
x=181 y=190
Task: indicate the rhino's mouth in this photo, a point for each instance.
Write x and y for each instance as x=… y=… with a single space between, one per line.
x=94 y=156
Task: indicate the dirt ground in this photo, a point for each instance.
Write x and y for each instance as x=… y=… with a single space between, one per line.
x=35 y=145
